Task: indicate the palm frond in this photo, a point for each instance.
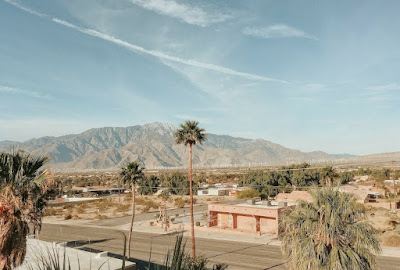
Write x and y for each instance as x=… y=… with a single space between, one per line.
x=190 y=133
x=329 y=233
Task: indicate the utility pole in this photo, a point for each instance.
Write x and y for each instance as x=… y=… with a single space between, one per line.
x=392 y=176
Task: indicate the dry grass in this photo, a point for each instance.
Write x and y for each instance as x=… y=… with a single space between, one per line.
x=122 y=207
x=80 y=209
x=179 y=202
x=98 y=216
x=392 y=240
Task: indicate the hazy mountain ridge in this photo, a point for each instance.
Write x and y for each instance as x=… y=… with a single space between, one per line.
x=153 y=144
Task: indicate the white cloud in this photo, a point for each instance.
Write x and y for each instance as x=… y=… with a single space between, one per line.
x=12 y=90
x=163 y=56
x=227 y=89
x=31 y=11
x=380 y=93
x=385 y=87
x=277 y=31
x=184 y=12
x=158 y=54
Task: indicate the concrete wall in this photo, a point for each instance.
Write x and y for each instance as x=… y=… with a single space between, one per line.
x=244 y=218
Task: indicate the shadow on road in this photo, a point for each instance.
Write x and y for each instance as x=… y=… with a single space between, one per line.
x=79 y=243
x=140 y=264
x=273 y=266
x=235 y=250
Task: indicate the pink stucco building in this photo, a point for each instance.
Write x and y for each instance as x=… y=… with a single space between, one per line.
x=251 y=216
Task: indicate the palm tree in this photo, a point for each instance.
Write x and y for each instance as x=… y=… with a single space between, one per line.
x=190 y=133
x=329 y=233
x=328 y=176
x=23 y=189
x=131 y=174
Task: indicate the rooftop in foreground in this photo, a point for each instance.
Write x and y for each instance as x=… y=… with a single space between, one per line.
x=77 y=259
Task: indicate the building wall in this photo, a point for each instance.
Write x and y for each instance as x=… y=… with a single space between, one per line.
x=246 y=223
x=268 y=225
x=244 y=218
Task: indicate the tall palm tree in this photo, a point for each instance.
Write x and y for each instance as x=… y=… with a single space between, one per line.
x=23 y=189
x=329 y=233
x=131 y=174
x=190 y=133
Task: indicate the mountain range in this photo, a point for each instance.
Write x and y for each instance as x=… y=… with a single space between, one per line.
x=153 y=145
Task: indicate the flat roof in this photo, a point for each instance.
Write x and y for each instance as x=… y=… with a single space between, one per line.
x=77 y=259
x=258 y=204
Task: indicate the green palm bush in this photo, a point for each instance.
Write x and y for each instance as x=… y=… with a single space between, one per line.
x=24 y=185
x=329 y=233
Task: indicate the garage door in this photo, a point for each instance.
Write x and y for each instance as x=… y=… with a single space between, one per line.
x=246 y=223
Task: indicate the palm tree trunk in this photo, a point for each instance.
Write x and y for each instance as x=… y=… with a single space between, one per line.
x=191 y=201
x=133 y=217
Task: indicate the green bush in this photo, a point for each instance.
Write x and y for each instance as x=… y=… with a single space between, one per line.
x=198 y=223
x=248 y=194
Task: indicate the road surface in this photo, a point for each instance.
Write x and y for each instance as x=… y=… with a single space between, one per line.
x=237 y=255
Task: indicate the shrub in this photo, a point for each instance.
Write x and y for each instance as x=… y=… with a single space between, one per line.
x=198 y=223
x=75 y=217
x=394 y=221
x=68 y=206
x=152 y=204
x=122 y=207
x=179 y=202
x=151 y=223
x=50 y=212
x=102 y=205
x=128 y=198
x=172 y=219
x=98 y=216
x=67 y=216
x=248 y=194
x=176 y=215
x=80 y=209
x=146 y=209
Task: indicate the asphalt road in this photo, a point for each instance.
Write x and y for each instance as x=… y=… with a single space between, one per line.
x=236 y=254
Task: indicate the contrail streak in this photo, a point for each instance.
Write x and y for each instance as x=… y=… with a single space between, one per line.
x=141 y=50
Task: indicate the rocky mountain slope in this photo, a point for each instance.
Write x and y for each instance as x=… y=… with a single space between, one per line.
x=153 y=144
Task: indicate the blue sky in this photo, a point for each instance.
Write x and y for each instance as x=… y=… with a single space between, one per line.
x=310 y=75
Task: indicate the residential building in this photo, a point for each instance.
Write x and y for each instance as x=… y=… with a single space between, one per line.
x=255 y=216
